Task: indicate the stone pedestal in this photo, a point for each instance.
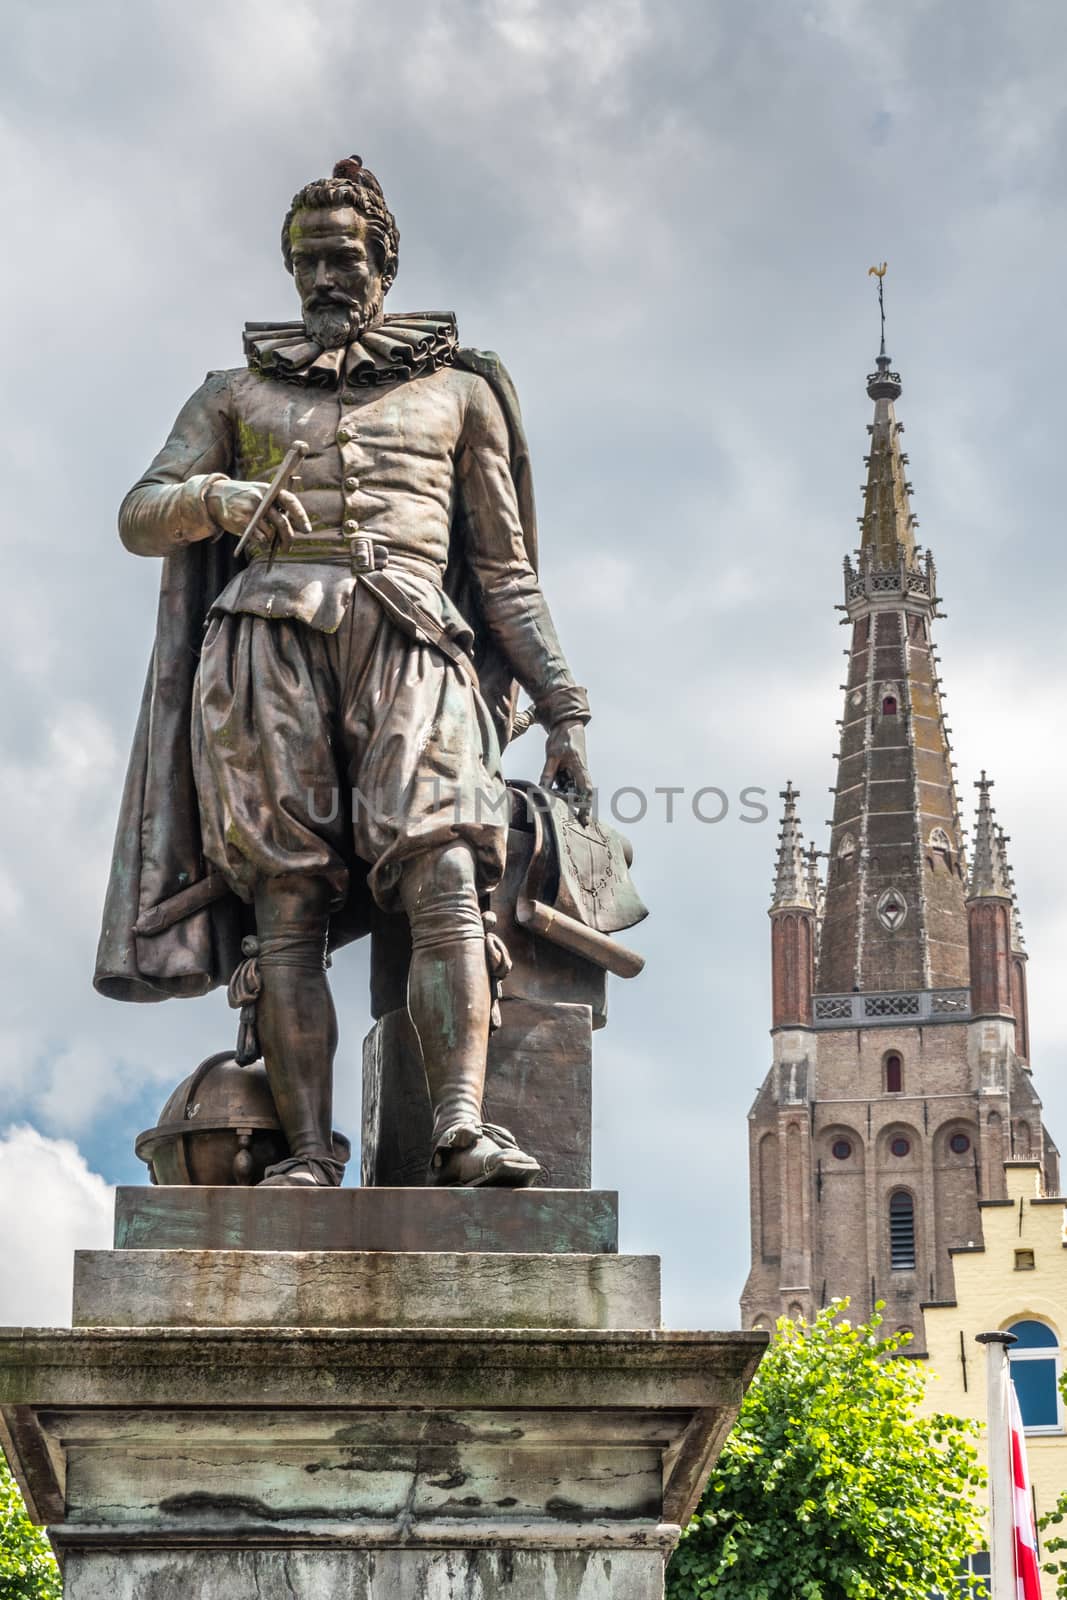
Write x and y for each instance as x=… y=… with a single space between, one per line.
x=419 y=1424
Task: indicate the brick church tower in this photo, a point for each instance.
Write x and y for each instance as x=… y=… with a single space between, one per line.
x=901 y=1078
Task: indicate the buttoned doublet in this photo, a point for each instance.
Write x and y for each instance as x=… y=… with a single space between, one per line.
x=320 y=729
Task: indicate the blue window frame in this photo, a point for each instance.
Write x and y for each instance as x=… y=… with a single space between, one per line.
x=1035 y=1366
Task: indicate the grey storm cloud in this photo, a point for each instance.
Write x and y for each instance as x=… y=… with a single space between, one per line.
x=662 y=216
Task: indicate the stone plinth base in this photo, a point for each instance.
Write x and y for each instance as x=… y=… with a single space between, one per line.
x=362 y=1289
x=239 y=1425
x=559 y=1221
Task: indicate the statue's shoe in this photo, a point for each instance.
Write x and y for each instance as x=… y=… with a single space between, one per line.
x=493 y=1159
x=299 y=1173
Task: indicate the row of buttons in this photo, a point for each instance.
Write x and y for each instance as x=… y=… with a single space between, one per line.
x=345 y=436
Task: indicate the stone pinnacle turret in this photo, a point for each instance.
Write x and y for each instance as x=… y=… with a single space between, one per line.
x=1020 y=1000
x=989 y=914
x=792 y=914
x=816 y=889
x=990 y=876
x=791 y=875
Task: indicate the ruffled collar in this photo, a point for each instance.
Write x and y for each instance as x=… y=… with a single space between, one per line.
x=403 y=346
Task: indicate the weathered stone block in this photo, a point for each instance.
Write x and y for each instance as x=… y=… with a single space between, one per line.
x=584 y=1222
x=362 y=1289
x=397 y=1119
x=539 y=1084
x=367 y=1575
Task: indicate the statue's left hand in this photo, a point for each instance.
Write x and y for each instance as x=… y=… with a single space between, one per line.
x=566 y=766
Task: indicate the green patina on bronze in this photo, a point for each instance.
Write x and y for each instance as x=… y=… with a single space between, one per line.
x=258 y=456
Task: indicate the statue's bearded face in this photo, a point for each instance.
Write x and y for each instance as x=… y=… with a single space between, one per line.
x=339 y=271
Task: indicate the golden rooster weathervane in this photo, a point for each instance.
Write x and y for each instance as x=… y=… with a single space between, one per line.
x=879 y=273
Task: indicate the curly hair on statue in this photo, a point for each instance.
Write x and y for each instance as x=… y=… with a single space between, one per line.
x=351 y=184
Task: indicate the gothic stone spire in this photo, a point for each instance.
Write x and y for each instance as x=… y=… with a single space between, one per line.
x=895 y=915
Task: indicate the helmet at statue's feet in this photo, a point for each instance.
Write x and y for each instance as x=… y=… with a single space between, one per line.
x=220 y=1127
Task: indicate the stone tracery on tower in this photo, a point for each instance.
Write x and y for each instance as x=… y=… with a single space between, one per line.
x=900 y=1079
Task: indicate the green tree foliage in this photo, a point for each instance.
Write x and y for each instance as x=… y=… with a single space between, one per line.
x=27 y=1567
x=831 y=1485
x=1056 y=1543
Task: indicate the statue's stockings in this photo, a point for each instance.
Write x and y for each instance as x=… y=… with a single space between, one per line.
x=448 y=998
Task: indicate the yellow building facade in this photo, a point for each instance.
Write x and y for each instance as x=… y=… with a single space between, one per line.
x=1014 y=1278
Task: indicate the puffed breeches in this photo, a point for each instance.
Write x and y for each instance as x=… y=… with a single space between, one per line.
x=312 y=748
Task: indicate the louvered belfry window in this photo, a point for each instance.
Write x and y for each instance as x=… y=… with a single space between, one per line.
x=902 y=1232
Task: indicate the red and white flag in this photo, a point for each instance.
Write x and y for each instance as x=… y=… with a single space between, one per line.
x=1027 y=1575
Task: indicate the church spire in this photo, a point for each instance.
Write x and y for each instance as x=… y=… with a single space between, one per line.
x=895 y=917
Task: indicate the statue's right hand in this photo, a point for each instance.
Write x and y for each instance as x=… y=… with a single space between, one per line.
x=231 y=504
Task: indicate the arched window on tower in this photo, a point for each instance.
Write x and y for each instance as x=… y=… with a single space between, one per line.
x=889 y=705
x=901 y=1231
x=894 y=1073
x=1035 y=1369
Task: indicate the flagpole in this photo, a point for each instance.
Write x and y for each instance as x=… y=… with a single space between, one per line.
x=1001 y=1483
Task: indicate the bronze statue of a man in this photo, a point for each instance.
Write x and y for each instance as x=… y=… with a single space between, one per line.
x=338 y=724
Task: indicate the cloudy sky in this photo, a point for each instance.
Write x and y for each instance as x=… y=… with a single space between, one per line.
x=662 y=216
